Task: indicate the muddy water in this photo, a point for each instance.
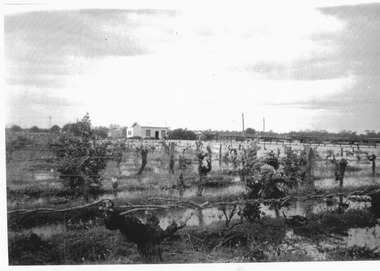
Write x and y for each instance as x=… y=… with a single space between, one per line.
x=348 y=181
x=369 y=237
x=44 y=175
x=234 y=189
x=210 y=215
x=304 y=208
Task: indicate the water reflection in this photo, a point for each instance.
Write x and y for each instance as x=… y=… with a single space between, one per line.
x=348 y=181
x=369 y=237
x=194 y=218
x=44 y=175
x=234 y=189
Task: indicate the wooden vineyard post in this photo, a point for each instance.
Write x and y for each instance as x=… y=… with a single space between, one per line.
x=171 y=157
x=220 y=155
x=115 y=185
x=372 y=158
x=309 y=167
x=374 y=167
x=340 y=208
x=200 y=217
x=342 y=168
x=180 y=185
x=31 y=157
x=144 y=154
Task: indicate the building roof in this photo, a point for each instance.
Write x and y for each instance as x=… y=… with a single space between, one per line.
x=150 y=125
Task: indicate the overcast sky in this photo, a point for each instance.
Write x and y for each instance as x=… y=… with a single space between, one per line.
x=197 y=67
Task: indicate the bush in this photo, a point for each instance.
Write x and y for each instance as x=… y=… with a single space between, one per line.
x=83 y=160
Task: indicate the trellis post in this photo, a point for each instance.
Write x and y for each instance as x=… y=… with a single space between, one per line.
x=171 y=157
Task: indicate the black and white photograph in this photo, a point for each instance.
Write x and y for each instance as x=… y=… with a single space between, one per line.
x=241 y=133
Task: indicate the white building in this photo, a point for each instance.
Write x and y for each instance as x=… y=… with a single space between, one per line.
x=146 y=131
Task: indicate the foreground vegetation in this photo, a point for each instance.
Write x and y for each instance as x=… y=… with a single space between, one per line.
x=263 y=240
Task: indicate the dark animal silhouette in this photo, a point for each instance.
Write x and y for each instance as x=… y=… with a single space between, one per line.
x=295 y=220
x=147 y=236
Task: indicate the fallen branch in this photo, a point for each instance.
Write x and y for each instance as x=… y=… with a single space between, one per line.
x=149 y=206
x=200 y=206
x=185 y=204
x=50 y=210
x=138 y=209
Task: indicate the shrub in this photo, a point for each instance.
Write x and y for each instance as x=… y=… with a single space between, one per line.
x=83 y=160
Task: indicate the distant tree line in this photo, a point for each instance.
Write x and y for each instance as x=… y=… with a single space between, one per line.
x=72 y=128
x=325 y=134
x=185 y=134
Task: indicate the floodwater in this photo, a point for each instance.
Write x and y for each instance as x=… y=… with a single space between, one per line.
x=369 y=237
x=347 y=181
x=193 y=217
x=207 y=216
x=44 y=175
x=233 y=189
x=210 y=215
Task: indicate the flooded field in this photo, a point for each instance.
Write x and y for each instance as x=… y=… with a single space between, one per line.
x=39 y=186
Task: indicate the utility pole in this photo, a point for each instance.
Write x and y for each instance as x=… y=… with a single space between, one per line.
x=263 y=124
x=242 y=118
